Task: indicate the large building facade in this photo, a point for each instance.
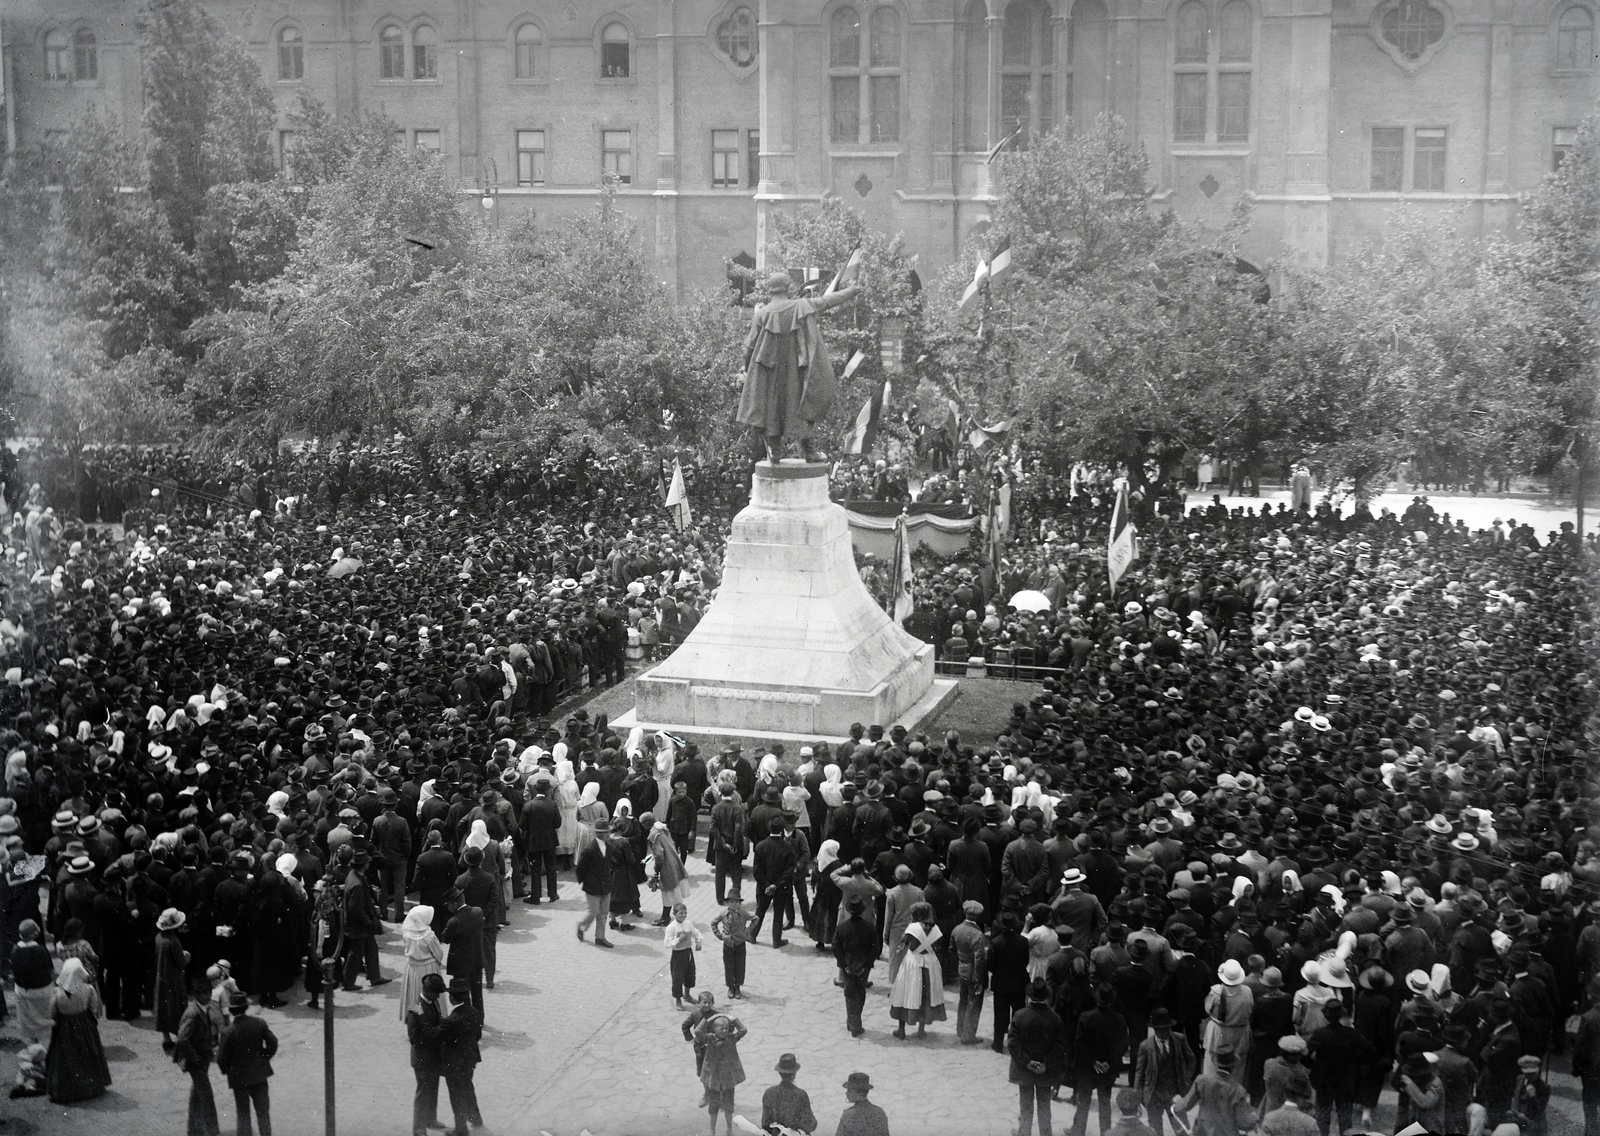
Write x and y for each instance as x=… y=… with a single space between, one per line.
x=715 y=113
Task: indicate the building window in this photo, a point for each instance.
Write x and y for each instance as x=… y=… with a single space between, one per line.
x=736 y=37
x=1413 y=26
x=1027 y=81
x=1427 y=160
x=391 y=52
x=614 y=52
x=291 y=55
x=530 y=157
x=1388 y=158
x=752 y=163
x=528 y=41
x=616 y=154
x=1213 y=51
x=85 y=57
x=871 y=84
x=1562 y=140
x=424 y=53
x=57 y=57
x=1575 y=40
x=425 y=141
x=725 y=159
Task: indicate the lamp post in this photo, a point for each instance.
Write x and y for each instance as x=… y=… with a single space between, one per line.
x=489 y=188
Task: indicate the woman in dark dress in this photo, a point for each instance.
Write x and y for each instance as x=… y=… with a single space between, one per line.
x=629 y=872
x=277 y=906
x=76 y=1069
x=172 y=987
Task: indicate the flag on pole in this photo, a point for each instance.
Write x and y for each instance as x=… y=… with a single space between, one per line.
x=994 y=151
x=981 y=436
x=900 y=573
x=678 y=498
x=1000 y=262
x=854 y=364
x=1120 y=549
x=846 y=275
x=979 y=275
x=863 y=433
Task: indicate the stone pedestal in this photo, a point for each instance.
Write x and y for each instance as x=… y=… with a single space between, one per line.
x=793 y=644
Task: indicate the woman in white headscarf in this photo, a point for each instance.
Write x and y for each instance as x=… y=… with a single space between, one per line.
x=76 y=1069
x=825 y=907
x=493 y=856
x=766 y=773
x=832 y=787
x=567 y=802
x=626 y=841
x=666 y=760
x=277 y=804
x=424 y=956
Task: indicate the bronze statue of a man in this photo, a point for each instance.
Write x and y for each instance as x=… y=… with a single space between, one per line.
x=789 y=383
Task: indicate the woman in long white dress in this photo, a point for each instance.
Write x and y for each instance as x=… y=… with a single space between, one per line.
x=424 y=956
x=918 y=991
x=567 y=802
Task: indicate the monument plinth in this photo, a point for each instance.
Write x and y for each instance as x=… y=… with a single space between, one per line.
x=793 y=644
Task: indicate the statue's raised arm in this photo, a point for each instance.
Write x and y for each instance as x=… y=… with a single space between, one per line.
x=789 y=384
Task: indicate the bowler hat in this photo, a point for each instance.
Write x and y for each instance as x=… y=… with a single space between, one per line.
x=859 y=1082
x=1160 y=1018
x=788 y=1063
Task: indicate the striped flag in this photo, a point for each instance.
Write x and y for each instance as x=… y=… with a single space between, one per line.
x=678 y=498
x=979 y=275
x=1000 y=261
x=854 y=364
x=981 y=436
x=1120 y=549
x=846 y=275
x=900 y=573
x=865 y=431
x=994 y=151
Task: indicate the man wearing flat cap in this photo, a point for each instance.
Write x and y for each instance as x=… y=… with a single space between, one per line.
x=789 y=384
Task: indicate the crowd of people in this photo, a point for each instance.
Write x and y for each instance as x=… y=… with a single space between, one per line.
x=1302 y=818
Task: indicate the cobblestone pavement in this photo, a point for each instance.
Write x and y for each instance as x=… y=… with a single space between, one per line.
x=583 y=1038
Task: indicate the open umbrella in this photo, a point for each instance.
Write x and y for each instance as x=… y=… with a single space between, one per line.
x=1031 y=601
x=344 y=567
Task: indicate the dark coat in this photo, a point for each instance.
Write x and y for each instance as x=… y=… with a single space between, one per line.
x=458 y=1038
x=967 y=865
x=246 y=1052
x=464 y=933
x=541 y=820
x=436 y=871
x=1037 y=1034
x=596 y=870
x=360 y=907
x=422 y=1031
x=1008 y=963
x=1102 y=1035
x=1337 y=1054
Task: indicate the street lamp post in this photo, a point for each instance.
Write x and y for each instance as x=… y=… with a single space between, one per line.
x=489 y=188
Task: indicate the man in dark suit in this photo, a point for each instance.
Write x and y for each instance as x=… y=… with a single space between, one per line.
x=727 y=843
x=436 y=875
x=1338 y=1053
x=459 y=1056
x=595 y=869
x=480 y=889
x=1025 y=866
x=541 y=821
x=1037 y=1040
x=245 y=1058
x=422 y=1030
x=1099 y=1050
x=774 y=870
x=362 y=923
x=464 y=934
x=1164 y=1068
x=856 y=946
x=1586 y=1067
x=1008 y=974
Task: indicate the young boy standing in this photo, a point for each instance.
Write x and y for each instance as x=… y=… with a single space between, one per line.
x=707 y=1006
x=733 y=928
x=682 y=939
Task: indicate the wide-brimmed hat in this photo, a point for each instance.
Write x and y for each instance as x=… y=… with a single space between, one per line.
x=1336 y=974
x=1073 y=877
x=1231 y=973
x=81 y=866
x=1160 y=1018
x=170 y=920
x=1272 y=978
x=1465 y=842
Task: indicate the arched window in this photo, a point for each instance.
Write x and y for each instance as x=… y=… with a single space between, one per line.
x=1027 y=79
x=614 y=53
x=528 y=41
x=424 y=53
x=736 y=37
x=57 y=57
x=291 y=55
x=1212 y=72
x=1575 y=40
x=844 y=40
x=85 y=57
x=1413 y=26
x=885 y=38
x=391 y=52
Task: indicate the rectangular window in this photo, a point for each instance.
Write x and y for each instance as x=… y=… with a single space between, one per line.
x=886 y=108
x=614 y=60
x=1189 y=108
x=426 y=141
x=530 y=157
x=424 y=61
x=1014 y=91
x=56 y=58
x=391 y=55
x=846 y=122
x=616 y=154
x=1388 y=158
x=753 y=158
x=1427 y=161
x=1233 y=107
x=725 y=159
x=1562 y=140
